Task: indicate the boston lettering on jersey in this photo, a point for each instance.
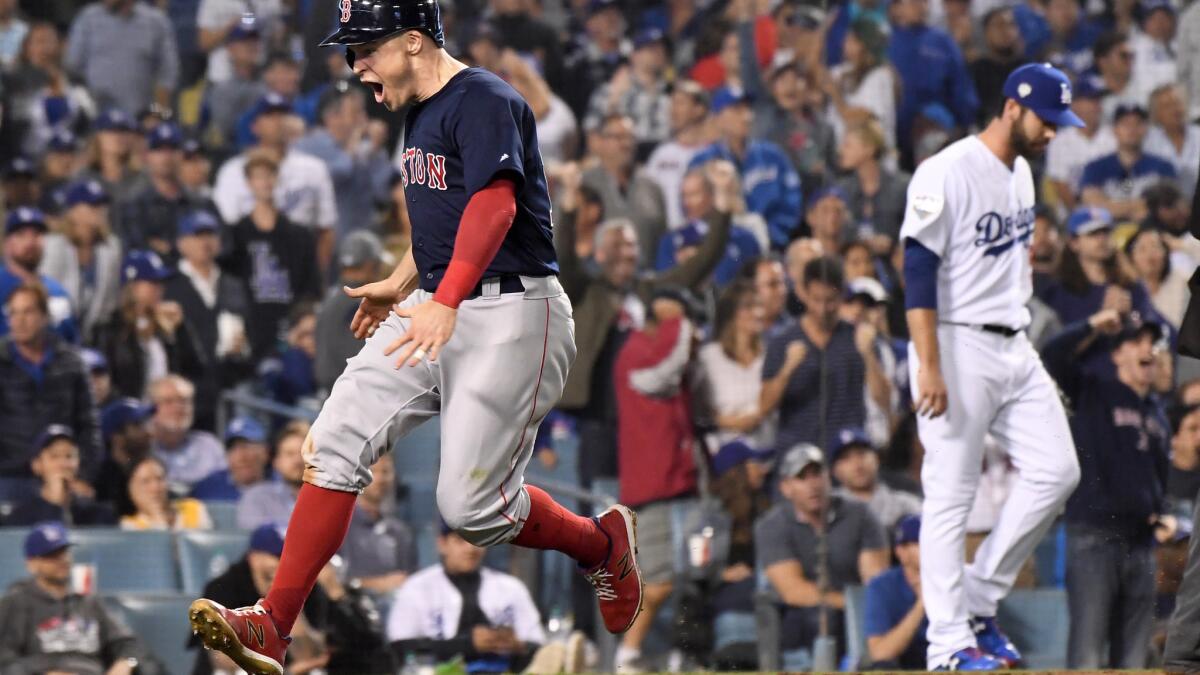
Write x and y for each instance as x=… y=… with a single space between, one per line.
x=418 y=167
x=998 y=233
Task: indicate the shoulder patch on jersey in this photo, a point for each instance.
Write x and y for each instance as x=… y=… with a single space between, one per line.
x=928 y=206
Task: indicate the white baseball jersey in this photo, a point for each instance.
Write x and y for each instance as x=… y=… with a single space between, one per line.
x=429 y=606
x=976 y=214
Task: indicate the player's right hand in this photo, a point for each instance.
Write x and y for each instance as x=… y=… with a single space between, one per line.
x=932 y=398
x=375 y=304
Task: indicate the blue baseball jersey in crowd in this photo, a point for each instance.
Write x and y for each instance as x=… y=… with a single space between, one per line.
x=62 y=318
x=1074 y=54
x=742 y=247
x=769 y=182
x=933 y=70
x=475 y=129
x=1117 y=182
x=846 y=15
x=888 y=599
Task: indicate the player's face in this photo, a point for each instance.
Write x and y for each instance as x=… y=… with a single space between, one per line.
x=386 y=67
x=1031 y=135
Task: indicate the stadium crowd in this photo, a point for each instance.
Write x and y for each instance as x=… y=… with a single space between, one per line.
x=188 y=184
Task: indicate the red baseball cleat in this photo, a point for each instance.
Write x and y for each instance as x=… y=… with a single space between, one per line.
x=247 y=635
x=617 y=580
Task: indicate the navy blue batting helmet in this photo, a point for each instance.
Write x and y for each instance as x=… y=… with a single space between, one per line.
x=362 y=21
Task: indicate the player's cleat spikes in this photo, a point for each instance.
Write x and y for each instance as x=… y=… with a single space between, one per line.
x=247 y=635
x=617 y=580
x=972 y=658
x=992 y=640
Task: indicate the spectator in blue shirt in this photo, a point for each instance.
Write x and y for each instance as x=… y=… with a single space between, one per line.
x=1060 y=33
x=769 y=180
x=246 y=452
x=932 y=70
x=678 y=246
x=24 y=234
x=1116 y=181
x=895 y=620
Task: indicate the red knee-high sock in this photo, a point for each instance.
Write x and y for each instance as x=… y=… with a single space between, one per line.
x=315 y=532
x=550 y=526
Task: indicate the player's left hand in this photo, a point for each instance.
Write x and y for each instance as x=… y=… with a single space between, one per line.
x=430 y=326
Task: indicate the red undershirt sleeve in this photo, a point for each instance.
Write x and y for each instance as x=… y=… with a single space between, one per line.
x=485 y=222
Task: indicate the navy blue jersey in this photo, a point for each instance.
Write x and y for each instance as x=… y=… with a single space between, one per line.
x=475 y=129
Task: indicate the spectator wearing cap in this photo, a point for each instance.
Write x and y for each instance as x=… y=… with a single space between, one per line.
x=361 y=259
x=592 y=57
x=625 y=189
x=638 y=90
x=150 y=505
x=55 y=462
x=827 y=217
x=875 y=195
x=1153 y=45
x=276 y=257
x=108 y=49
x=21 y=185
x=1116 y=181
x=820 y=346
x=1002 y=54
x=867 y=303
x=273 y=500
x=925 y=78
x=215 y=307
x=556 y=126
x=1058 y=32
x=669 y=162
x=459 y=608
x=188 y=454
x=110 y=156
x=288 y=376
x=227 y=99
x=50 y=628
x=1112 y=70
x=1073 y=148
x=1149 y=255
x=894 y=616
x=124 y=424
x=747 y=237
x=1172 y=136
x=863 y=86
x=148 y=218
x=379 y=551
x=246 y=454
x=769 y=180
x=195 y=169
x=84 y=255
x=38 y=94
x=1168 y=211
x=811 y=545
x=854 y=461
x=352 y=147
x=225 y=24
x=1119 y=509
x=302 y=189
x=60 y=163
x=24 y=249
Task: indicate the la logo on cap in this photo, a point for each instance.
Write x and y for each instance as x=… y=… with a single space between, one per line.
x=1024 y=89
x=1066 y=93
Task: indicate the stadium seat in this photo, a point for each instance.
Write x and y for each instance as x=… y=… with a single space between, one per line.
x=204 y=555
x=223 y=514
x=1037 y=621
x=856 y=619
x=12 y=555
x=128 y=562
x=160 y=621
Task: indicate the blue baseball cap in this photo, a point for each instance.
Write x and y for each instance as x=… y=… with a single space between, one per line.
x=735 y=452
x=1147 y=7
x=166 y=135
x=1046 y=91
x=1089 y=86
x=197 y=222
x=1129 y=108
x=19 y=167
x=689 y=235
x=829 y=191
x=90 y=192
x=191 y=147
x=268 y=539
x=245 y=429
x=144 y=266
x=272 y=103
x=852 y=437
x=122 y=412
x=246 y=29
x=46 y=538
x=596 y=6
x=1134 y=327
x=52 y=433
x=726 y=97
x=24 y=217
x=649 y=36
x=908 y=530
x=1088 y=219
x=94 y=360
x=114 y=119
x=62 y=140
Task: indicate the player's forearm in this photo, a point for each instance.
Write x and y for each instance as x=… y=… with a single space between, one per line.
x=890 y=645
x=922 y=330
x=485 y=222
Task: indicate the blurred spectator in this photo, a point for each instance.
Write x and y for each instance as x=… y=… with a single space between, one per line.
x=689 y=135
x=12 y=32
x=625 y=189
x=60 y=163
x=1150 y=256
x=894 y=613
x=99 y=377
x=1172 y=136
x=790 y=540
x=1112 y=72
x=228 y=98
x=557 y=128
x=273 y=501
x=459 y=608
x=195 y=170
x=189 y=455
x=42 y=382
x=21 y=186
x=219 y=22
x=147 y=338
x=769 y=180
x=827 y=217
x=747 y=238
x=125 y=426
x=352 y=148
x=657 y=449
x=637 y=90
x=246 y=459
x=46 y=627
x=275 y=256
x=855 y=463
x=110 y=156
x=876 y=195
x=1168 y=211
x=24 y=242
x=1187 y=55
x=85 y=256
x=1073 y=148
x=288 y=376
x=866 y=307
x=302 y=188
x=798 y=254
x=153 y=508
x=379 y=551
x=590 y=61
x=925 y=78
x=63 y=495
x=1059 y=32
x=149 y=217
x=361 y=260
x=1116 y=181
x=125 y=52
x=1118 y=511
x=863 y=87
x=1153 y=46
x=1002 y=54
x=38 y=95
x=769 y=280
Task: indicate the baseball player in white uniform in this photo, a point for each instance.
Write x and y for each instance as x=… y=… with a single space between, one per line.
x=966 y=234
